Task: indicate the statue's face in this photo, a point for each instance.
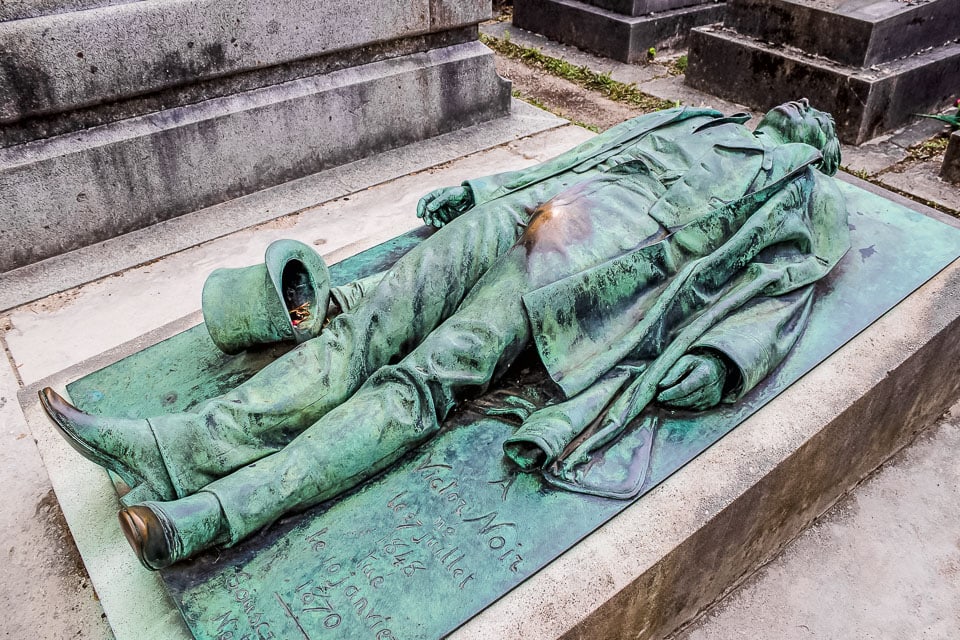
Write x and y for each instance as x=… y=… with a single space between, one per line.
x=799 y=122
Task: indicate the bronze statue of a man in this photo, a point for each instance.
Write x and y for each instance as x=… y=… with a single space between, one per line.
x=670 y=260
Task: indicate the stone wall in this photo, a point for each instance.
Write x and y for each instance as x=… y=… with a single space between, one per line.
x=624 y=30
x=873 y=64
x=125 y=114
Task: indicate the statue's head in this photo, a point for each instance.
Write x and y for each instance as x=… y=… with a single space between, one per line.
x=799 y=122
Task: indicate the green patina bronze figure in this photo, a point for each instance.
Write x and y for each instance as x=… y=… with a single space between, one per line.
x=669 y=262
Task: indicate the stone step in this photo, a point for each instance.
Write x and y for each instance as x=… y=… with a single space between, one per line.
x=64 y=61
x=880 y=564
x=51 y=125
x=620 y=36
x=115 y=255
x=640 y=7
x=21 y=9
x=78 y=189
x=857 y=33
x=864 y=101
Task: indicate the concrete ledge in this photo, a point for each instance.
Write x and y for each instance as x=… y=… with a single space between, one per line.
x=55 y=124
x=865 y=102
x=640 y=7
x=858 y=34
x=20 y=9
x=78 y=189
x=669 y=556
x=87 y=264
x=63 y=61
x=615 y=35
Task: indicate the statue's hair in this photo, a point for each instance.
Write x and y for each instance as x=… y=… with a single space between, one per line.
x=831 y=144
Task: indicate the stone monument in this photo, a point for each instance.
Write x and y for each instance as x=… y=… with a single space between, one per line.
x=453 y=525
x=117 y=115
x=950 y=170
x=574 y=333
x=624 y=30
x=872 y=63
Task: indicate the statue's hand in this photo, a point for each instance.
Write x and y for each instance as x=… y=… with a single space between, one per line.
x=440 y=206
x=694 y=382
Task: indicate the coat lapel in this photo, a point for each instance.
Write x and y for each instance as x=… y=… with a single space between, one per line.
x=723 y=174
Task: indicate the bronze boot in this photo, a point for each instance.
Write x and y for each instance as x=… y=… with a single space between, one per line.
x=125 y=446
x=163 y=533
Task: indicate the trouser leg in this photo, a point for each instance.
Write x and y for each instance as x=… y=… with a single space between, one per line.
x=265 y=413
x=398 y=407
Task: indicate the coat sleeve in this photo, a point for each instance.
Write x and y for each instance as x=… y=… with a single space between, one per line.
x=757 y=337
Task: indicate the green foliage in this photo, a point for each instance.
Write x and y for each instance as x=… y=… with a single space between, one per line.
x=860 y=173
x=586 y=78
x=952 y=120
x=679 y=66
x=651 y=53
x=929 y=149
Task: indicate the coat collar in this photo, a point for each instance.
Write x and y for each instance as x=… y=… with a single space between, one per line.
x=724 y=173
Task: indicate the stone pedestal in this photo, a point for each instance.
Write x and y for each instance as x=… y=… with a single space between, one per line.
x=115 y=116
x=647 y=570
x=950 y=170
x=624 y=30
x=872 y=63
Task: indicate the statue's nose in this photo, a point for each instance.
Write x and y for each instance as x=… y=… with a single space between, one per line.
x=805 y=103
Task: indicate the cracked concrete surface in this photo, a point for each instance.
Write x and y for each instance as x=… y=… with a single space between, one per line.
x=44 y=588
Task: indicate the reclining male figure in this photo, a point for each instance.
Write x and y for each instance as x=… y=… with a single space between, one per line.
x=673 y=256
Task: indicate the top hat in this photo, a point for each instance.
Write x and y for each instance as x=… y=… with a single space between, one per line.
x=284 y=299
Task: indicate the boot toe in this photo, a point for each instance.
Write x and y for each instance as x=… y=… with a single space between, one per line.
x=96 y=437
x=150 y=536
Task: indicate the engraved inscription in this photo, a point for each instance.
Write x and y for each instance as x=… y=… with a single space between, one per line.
x=251 y=619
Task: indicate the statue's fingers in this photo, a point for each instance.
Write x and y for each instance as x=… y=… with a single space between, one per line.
x=674 y=400
x=676 y=393
x=437 y=205
x=695 y=380
x=682 y=367
x=708 y=398
x=701 y=398
x=431 y=199
x=714 y=377
x=422 y=204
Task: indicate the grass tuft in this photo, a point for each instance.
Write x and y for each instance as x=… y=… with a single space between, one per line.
x=679 y=66
x=600 y=82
